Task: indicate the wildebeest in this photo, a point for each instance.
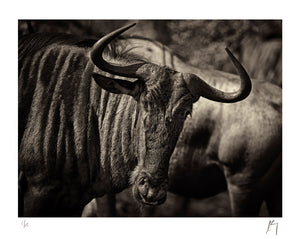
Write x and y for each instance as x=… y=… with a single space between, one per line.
x=235 y=146
x=84 y=132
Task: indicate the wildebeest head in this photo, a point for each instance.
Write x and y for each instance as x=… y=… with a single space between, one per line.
x=164 y=99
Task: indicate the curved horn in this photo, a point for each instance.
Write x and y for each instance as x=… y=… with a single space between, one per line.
x=199 y=88
x=97 y=58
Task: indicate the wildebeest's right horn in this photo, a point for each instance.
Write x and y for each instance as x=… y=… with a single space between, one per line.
x=199 y=88
x=97 y=58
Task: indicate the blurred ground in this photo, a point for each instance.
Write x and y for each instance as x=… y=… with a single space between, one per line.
x=258 y=44
x=175 y=206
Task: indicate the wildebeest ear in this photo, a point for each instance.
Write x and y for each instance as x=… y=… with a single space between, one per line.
x=118 y=86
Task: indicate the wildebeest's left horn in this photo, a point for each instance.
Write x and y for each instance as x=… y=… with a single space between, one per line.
x=199 y=88
x=97 y=58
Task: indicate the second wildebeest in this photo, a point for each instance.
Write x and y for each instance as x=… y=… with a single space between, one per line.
x=85 y=132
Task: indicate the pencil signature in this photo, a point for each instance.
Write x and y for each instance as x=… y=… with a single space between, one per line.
x=271 y=225
x=24 y=224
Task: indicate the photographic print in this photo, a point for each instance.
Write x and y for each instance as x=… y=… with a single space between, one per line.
x=149 y=118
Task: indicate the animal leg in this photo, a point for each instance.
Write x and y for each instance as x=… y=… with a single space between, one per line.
x=273 y=188
x=90 y=210
x=109 y=202
x=244 y=202
x=101 y=207
x=274 y=203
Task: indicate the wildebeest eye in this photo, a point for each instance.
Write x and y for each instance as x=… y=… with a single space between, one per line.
x=142 y=181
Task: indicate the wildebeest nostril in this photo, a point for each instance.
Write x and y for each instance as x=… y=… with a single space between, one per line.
x=151 y=194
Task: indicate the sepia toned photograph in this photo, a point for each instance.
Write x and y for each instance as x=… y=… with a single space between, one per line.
x=150 y=118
